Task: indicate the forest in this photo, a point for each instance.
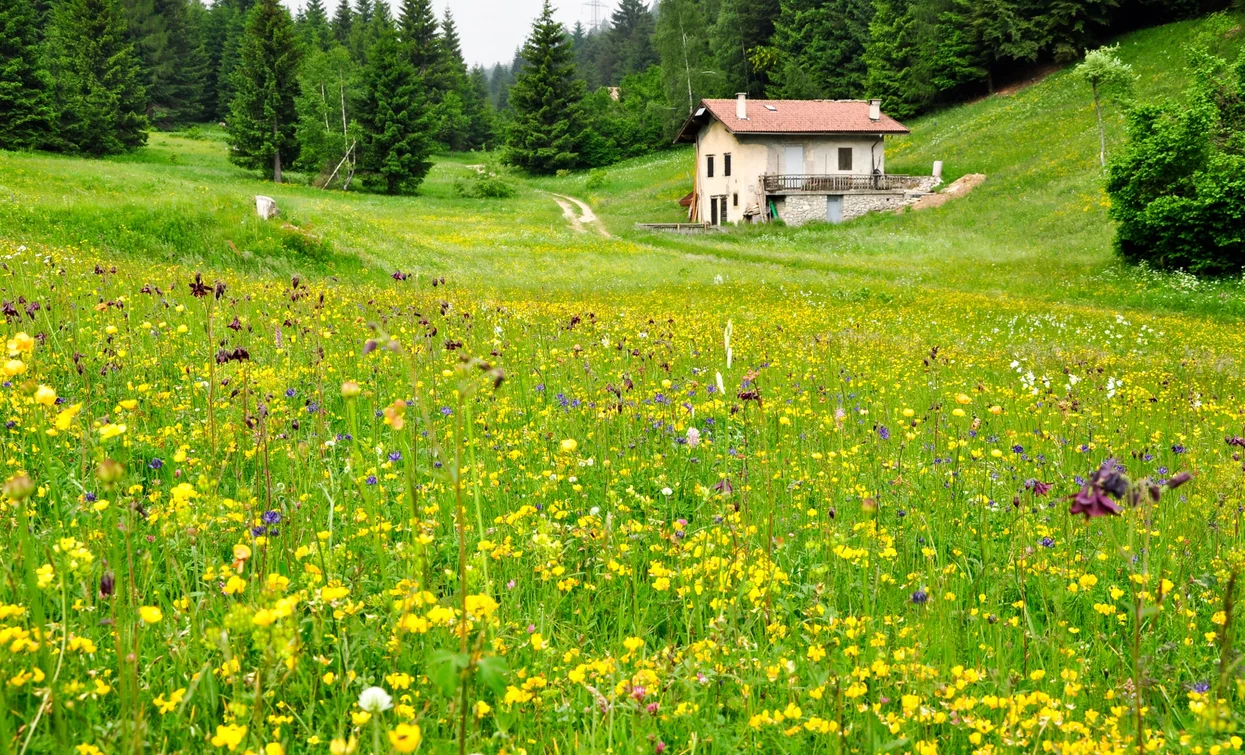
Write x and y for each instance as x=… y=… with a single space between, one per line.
x=371 y=90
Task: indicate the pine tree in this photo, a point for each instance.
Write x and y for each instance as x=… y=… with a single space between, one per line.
x=628 y=45
x=418 y=31
x=481 y=119
x=26 y=114
x=98 y=90
x=686 y=60
x=546 y=100
x=342 y=22
x=230 y=59
x=822 y=42
x=741 y=39
x=262 y=115
x=176 y=83
x=451 y=90
x=313 y=26
x=396 y=132
x=361 y=30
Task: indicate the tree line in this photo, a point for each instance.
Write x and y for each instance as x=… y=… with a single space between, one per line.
x=362 y=92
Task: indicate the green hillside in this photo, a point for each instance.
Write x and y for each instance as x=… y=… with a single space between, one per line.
x=1037 y=228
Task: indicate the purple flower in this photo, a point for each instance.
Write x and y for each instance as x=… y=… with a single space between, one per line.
x=371 y=479
x=156 y=463
x=271 y=517
x=1047 y=542
x=395 y=456
x=883 y=433
x=920 y=597
x=289 y=392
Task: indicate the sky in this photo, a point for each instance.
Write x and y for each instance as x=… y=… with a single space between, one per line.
x=492 y=29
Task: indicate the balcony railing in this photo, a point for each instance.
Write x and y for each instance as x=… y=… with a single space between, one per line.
x=837 y=184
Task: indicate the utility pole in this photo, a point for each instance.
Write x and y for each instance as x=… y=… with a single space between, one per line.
x=598 y=9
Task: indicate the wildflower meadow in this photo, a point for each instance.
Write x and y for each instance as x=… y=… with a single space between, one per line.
x=257 y=514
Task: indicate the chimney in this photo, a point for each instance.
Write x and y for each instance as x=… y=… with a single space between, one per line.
x=875 y=110
x=741 y=106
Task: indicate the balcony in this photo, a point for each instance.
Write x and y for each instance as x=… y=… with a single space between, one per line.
x=837 y=184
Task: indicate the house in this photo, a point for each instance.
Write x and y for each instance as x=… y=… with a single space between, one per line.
x=797 y=160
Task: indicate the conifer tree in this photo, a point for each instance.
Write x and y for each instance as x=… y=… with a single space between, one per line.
x=313 y=26
x=396 y=130
x=361 y=30
x=418 y=31
x=546 y=100
x=628 y=45
x=98 y=91
x=26 y=114
x=262 y=115
x=481 y=119
x=740 y=40
x=230 y=58
x=686 y=60
x=343 y=19
x=822 y=43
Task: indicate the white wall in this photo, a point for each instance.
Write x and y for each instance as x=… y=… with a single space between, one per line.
x=754 y=156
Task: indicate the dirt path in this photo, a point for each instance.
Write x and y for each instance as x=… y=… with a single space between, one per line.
x=957 y=189
x=586 y=216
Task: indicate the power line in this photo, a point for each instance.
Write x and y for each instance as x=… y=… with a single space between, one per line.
x=598 y=9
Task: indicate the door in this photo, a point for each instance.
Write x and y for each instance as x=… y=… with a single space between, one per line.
x=834 y=209
x=793 y=160
x=713 y=210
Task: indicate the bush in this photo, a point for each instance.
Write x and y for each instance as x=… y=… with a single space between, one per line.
x=1178 y=190
x=596 y=180
x=487 y=183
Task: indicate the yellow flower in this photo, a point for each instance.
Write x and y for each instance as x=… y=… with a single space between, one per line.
x=405 y=737
x=274 y=748
x=45 y=395
x=14 y=367
x=229 y=736
x=235 y=585
x=538 y=641
x=569 y=445
x=66 y=416
x=21 y=344
x=110 y=431
x=633 y=644
x=174 y=699
x=340 y=746
x=150 y=614
x=482 y=709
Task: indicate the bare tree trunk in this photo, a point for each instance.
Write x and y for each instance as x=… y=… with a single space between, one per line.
x=276 y=157
x=1102 y=134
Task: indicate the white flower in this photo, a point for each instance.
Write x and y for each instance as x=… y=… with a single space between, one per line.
x=375 y=700
x=667 y=491
x=693 y=437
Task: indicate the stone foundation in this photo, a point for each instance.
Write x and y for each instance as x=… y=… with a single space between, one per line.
x=798 y=209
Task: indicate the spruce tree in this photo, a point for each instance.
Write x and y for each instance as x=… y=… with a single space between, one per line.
x=418 y=31
x=26 y=114
x=396 y=130
x=481 y=119
x=740 y=40
x=546 y=100
x=628 y=43
x=343 y=19
x=98 y=90
x=686 y=60
x=821 y=42
x=313 y=26
x=262 y=115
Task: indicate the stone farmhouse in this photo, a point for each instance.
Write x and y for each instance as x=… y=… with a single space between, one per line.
x=794 y=160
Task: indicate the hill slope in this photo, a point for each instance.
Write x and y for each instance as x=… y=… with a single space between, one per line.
x=1037 y=228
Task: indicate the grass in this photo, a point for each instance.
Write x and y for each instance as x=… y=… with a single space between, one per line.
x=776 y=490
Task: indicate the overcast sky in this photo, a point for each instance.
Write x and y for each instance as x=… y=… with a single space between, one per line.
x=492 y=29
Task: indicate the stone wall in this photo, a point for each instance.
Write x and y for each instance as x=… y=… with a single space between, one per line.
x=798 y=209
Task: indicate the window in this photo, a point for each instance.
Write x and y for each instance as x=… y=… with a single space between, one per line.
x=735 y=199
x=726 y=165
x=709 y=166
x=845 y=158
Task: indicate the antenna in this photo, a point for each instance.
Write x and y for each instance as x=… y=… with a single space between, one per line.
x=598 y=8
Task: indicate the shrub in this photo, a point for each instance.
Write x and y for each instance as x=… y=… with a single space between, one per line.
x=596 y=180
x=1178 y=190
x=487 y=183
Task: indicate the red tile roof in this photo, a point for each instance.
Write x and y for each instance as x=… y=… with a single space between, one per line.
x=795 y=117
